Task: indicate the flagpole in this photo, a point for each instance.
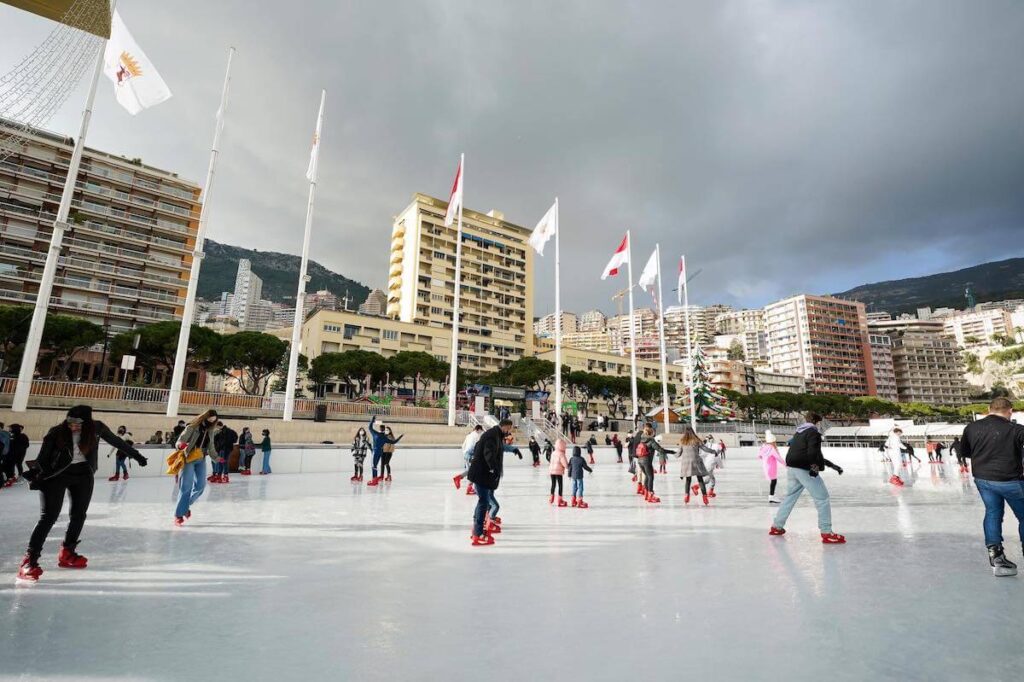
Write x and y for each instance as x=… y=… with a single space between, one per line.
x=661 y=335
x=453 y=370
x=689 y=353
x=35 y=331
x=181 y=353
x=300 y=296
x=632 y=326
x=558 y=317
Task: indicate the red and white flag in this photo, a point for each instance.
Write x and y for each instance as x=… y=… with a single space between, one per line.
x=455 y=200
x=682 y=277
x=620 y=257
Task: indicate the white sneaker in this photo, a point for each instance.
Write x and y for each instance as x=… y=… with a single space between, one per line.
x=773 y=500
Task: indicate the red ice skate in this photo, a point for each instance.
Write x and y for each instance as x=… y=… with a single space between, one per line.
x=776 y=531
x=695 y=489
x=652 y=498
x=496 y=519
x=582 y=505
x=686 y=498
x=68 y=558
x=179 y=520
x=212 y=478
x=561 y=502
x=223 y=478
x=29 y=571
x=457 y=480
x=705 y=498
x=833 y=539
x=353 y=478
x=126 y=475
x=896 y=481
x=573 y=501
x=375 y=481
x=711 y=493
x=551 y=500
x=493 y=527
x=640 y=489
x=115 y=477
x=470 y=490
x=387 y=479
x=479 y=540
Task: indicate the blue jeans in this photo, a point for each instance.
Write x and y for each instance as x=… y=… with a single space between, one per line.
x=492 y=505
x=266 y=462
x=121 y=465
x=483 y=503
x=376 y=461
x=994 y=494
x=800 y=479
x=191 y=484
x=577 y=487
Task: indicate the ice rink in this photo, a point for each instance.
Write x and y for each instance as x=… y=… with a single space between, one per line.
x=310 y=577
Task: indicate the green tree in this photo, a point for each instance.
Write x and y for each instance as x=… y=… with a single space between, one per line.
x=65 y=337
x=736 y=351
x=158 y=345
x=14 y=324
x=255 y=356
x=418 y=366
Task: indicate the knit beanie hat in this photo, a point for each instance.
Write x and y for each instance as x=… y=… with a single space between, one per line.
x=769 y=437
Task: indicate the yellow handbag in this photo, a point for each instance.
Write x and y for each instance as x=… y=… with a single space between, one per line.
x=177 y=460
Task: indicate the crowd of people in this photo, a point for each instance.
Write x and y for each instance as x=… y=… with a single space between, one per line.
x=991 y=448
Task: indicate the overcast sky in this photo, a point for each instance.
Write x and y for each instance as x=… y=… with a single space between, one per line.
x=785 y=147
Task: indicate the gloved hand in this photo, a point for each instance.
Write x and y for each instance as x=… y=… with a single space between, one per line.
x=839 y=470
x=142 y=461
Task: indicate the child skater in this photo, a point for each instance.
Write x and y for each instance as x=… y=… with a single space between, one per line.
x=557 y=471
x=770 y=461
x=548 y=449
x=535 y=451
x=690 y=447
x=577 y=465
x=360 y=446
x=712 y=461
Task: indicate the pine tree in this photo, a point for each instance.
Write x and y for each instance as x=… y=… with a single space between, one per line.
x=707 y=402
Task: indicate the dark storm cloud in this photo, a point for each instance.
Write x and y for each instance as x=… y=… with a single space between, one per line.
x=784 y=146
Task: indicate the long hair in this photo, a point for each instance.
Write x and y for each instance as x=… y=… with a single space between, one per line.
x=361 y=433
x=87 y=438
x=201 y=419
x=690 y=437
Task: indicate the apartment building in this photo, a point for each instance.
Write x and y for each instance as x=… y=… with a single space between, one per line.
x=749 y=325
x=376 y=304
x=594 y=340
x=767 y=381
x=546 y=326
x=496 y=312
x=676 y=325
x=976 y=328
x=824 y=340
x=131 y=231
x=881 y=362
x=609 y=364
x=592 y=321
x=645 y=324
x=928 y=369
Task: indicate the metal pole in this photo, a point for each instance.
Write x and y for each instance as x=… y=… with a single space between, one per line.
x=300 y=296
x=632 y=326
x=35 y=332
x=453 y=371
x=558 y=316
x=181 y=353
x=689 y=352
x=661 y=335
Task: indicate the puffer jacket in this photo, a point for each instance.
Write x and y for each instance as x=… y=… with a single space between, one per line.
x=559 y=463
x=577 y=465
x=770 y=460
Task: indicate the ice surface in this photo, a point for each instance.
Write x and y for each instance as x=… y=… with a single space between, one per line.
x=308 y=577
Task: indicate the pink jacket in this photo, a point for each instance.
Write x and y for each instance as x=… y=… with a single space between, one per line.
x=559 y=462
x=770 y=460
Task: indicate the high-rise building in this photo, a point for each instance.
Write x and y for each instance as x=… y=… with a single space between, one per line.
x=592 y=321
x=496 y=316
x=710 y=315
x=976 y=328
x=376 y=304
x=545 y=326
x=676 y=325
x=823 y=339
x=748 y=324
x=766 y=381
x=127 y=251
x=260 y=315
x=645 y=323
x=248 y=292
x=594 y=340
x=929 y=369
x=321 y=300
x=881 y=362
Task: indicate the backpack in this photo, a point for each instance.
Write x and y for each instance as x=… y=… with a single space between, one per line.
x=641 y=450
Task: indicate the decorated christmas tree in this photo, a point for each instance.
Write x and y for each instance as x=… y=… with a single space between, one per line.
x=707 y=402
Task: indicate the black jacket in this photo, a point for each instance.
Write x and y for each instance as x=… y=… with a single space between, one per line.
x=995 y=446
x=19 y=446
x=225 y=439
x=805 y=450
x=56 y=454
x=487 y=465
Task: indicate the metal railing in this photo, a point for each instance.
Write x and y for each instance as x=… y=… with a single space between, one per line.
x=71 y=392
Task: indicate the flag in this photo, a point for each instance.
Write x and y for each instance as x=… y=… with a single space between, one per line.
x=455 y=199
x=545 y=230
x=649 y=277
x=313 y=169
x=137 y=84
x=682 y=277
x=620 y=257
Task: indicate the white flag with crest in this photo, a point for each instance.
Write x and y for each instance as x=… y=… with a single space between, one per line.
x=649 y=277
x=137 y=84
x=545 y=230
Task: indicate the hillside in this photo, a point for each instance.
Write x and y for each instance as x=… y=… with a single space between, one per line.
x=279 y=272
x=989 y=281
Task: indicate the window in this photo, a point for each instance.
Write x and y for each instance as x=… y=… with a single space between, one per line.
x=351 y=330
x=333 y=328
x=390 y=335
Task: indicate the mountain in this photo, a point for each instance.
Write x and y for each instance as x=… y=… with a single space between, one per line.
x=279 y=272
x=995 y=281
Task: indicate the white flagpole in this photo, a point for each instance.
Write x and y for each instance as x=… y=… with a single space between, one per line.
x=300 y=296
x=661 y=335
x=35 y=331
x=453 y=370
x=181 y=353
x=684 y=292
x=632 y=325
x=558 y=317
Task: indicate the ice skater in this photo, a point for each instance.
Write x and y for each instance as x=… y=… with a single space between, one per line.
x=590 y=449
x=556 y=470
x=194 y=445
x=246 y=449
x=224 y=441
x=805 y=463
x=548 y=449
x=15 y=457
x=387 y=452
x=468 y=446
x=535 y=451
x=617 y=444
x=485 y=471
x=577 y=465
x=380 y=438
x=770 y=462
x=646 y=447
x=995 y=446
x=120 y=460
x=894 y=448
x=360 y=446
x=692 y=464
x=956 y=450
x=67 y=463
x=266 y=447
